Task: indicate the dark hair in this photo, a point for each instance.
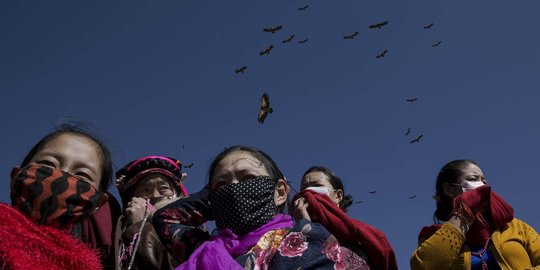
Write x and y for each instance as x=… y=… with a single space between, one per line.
x=449 y=173
x=264 y=158
x=80 y=130
x=336 y=183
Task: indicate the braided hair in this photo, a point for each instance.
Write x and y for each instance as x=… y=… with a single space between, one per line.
x=336 y=183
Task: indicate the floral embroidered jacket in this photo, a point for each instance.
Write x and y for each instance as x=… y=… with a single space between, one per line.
x=306 y=245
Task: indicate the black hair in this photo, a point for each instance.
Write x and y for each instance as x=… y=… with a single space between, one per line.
x=142 y=166
x=79 y=130
x=449 y=173
x=336 y=183
x=264 y=158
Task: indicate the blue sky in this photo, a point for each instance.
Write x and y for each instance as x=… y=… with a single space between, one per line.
x=153 y=76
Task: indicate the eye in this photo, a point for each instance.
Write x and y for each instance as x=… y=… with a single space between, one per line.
x=47 y=163
x=164 y=188
x=84 y=176
x=248 y=177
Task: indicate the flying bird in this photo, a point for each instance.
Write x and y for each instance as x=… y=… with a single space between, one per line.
x=417 y=139
x=288 y=39
x=382 y=54
x=188 y=166
x=303 y=8
x=412 y=197
x=266 y=50
x=351 y=35
x=240 y=69
x=358 y=202
x=372 y=192
x=264 y=109
x=411 y=99
x=408 y=132
x=436 y=44
x=378 y=25
x=272 y=29
x=303 y=41
x=428 y=26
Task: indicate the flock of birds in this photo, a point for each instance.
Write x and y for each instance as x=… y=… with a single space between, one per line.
x=265 y=108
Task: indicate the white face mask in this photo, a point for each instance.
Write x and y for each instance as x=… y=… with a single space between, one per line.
x=321 y=190
x=470 y=185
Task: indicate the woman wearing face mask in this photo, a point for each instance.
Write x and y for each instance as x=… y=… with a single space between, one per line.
x=479 y=229
x=145 y=184
x=59 y=191
x=322 y=199
x=247 y=195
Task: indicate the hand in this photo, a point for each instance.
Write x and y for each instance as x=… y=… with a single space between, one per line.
x=135 y=210
x=300 y=209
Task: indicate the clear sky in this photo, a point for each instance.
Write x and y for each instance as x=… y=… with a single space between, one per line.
x=153 y=76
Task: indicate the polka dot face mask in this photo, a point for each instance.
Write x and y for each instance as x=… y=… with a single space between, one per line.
x=245 y=206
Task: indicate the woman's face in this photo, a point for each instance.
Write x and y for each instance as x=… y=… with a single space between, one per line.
x=320 y=179
x=154 y=186
x=236 y=167
x=74 y=154
x=240 y=166
x=472 y=174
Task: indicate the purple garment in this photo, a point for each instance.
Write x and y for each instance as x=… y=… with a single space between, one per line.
x=219 y=253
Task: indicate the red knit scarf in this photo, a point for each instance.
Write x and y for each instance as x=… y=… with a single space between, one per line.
x=498 y=213
x=25 y=245
x=348 y=230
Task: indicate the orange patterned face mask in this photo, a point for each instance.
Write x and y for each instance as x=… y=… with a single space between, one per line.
x=52 y=197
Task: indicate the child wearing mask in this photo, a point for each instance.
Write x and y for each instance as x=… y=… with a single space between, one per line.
x=145 y=184
x=59 y=199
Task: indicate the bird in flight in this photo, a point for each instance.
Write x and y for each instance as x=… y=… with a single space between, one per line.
x=303 y=8
x=288 y=39
x=412 y=197
x=378 y=25
x=411 y=99
x=188 y=166
x=408 y=132
x=358 y=202
x=272 y=29
x=372 y=192
x=303 y=41
x=265 y=108
x=417 y=139
x=428 y=26
x=240 y=69
x=382 y=54
x=266 y=50
x=436 y=44
x=351 y=35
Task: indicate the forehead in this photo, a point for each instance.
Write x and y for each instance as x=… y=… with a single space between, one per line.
x=239 y=160
x=471 y=169
x=74 y=146
x=316 y=177
x=155 y=178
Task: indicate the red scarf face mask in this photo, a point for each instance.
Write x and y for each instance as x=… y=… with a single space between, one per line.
x=52 y=197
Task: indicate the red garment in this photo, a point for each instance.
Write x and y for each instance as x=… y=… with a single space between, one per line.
x=98 y=229
x=499 y=213
x=348 y=230
x=25 y=245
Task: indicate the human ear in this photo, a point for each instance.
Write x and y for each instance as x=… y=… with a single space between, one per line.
x=281 y=192
x=449 y=190
x=339 y=196
x=14 y=172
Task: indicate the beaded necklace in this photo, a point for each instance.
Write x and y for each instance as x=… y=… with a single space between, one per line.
x=480 y=254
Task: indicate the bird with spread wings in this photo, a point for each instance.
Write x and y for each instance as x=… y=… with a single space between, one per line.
x=264 y=108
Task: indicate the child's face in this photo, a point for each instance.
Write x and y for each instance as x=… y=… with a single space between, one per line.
x=154 y=186
x=74 y=154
